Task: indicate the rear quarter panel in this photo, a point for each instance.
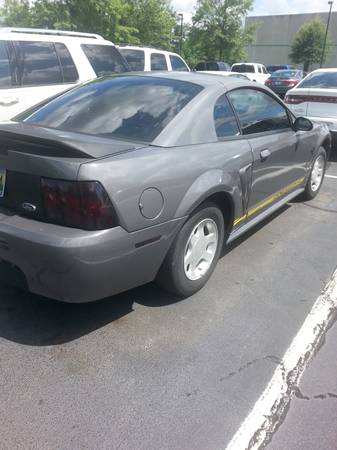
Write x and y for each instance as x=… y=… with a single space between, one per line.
x=185 y=176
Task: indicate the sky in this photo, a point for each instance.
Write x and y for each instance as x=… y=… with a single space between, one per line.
x=265 y=7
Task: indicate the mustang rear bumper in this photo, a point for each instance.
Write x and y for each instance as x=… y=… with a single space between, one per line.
x=81 y=266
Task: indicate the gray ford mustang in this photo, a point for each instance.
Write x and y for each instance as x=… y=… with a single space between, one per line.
x=137 y=177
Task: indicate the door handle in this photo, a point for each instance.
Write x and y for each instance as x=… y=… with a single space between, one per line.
x=8 y=101
x=264 y=154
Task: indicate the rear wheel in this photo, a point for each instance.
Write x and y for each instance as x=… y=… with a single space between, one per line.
x=316 y=177
x=194 y=253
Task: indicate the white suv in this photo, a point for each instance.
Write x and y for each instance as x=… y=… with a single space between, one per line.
x=148 y=59
x=37 y=64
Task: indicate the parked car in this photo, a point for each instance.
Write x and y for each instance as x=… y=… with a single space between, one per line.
x=316 y=97
x=255 y=72
x=274 y=67
x=36 y=64
x=282 y=80
x=212 y=66
x=132 y=178
x=151 y=59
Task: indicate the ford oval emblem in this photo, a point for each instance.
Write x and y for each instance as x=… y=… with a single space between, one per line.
x=29 y=207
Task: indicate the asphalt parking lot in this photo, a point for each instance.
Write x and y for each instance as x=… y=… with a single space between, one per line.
x=143 y=370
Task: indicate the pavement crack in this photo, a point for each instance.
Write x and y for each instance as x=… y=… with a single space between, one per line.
x=320 y=208
x=244 y=367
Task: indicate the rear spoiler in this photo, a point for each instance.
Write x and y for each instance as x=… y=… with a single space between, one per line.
x=37 y=140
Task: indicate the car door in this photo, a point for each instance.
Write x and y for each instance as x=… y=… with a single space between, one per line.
x=11 y=102
x=279 y=159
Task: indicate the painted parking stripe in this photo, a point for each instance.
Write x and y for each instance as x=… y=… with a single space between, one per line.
x=270 y=409
x=331 y=176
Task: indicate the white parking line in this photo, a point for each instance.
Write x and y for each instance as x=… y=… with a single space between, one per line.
x=331 y=176
x=270 y=409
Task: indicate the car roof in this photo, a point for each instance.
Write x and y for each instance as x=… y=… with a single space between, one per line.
x=201 y=78
x=27 y=34
x=330 y=69
x=151 y=49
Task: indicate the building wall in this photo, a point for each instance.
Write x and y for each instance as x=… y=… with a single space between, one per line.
x=274 y=36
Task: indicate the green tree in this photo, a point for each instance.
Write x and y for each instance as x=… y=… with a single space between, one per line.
x=307 y=47
x=15 y=13
x=218 y=31
x=154 y=20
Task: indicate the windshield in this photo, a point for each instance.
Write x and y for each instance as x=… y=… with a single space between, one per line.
x=284 y=74
x=243 y=68
x=129 y=107
x=320 y=80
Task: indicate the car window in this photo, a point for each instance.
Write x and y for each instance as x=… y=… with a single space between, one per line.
x=320 y=80
x=130 y=107
x=284 y=74
x=178 y=64
x=224 y=119
x=243 y=68
x=5 y=72
x=260 y=69
x=135 y=58
x=258 y=112
x=158 y=61
x=212 y=65
x=37 y=63
x=264 y=70
x=69 y=71
x=200 y=66
x=105 y=59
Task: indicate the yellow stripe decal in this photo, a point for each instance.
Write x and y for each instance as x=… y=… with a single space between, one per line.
x=270 y=200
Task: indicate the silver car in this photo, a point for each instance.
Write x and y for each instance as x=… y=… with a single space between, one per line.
x=132 y=178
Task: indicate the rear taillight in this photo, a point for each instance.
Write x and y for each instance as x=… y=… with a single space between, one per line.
x=268 y=82
x=295 y=99
x=77 y=204
x=289 y=82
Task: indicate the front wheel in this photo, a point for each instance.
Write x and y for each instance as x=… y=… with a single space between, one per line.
x=316 y=177
x=194 y=253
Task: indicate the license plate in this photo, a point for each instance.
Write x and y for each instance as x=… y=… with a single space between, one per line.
x=2 y=181
x=277 y=83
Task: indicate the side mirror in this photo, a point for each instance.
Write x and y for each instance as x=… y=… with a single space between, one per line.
x=303 y=124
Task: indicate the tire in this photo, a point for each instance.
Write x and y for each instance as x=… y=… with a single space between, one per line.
x=200 y=238
x=316 y=176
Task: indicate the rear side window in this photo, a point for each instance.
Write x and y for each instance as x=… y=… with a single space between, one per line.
x=5 y=72
x=178 y=64
x=224 y=119
x=135 y=58
x=258 y=112
x=243 y=68
x=37 y=63
x=320 y=80
x=130 y=107
x=158 y=61
x=104 y=59
x=200 y=66
x=69 y=71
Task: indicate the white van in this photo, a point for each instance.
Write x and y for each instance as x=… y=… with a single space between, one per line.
x=146 y=59
x=37 y=64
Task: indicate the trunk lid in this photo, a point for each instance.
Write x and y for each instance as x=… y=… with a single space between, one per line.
x=322 y=103
x=28 y=153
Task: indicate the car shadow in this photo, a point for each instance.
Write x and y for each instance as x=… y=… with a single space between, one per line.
x=32 y=320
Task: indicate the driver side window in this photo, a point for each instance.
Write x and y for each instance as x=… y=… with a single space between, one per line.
x=258 y=112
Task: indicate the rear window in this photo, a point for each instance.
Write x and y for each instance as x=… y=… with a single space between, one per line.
x=5 y=73
x=128 y=107
x=69 y=71
x=178 y=64
x=284 y=74
x=243 y=68
x=135 y=58
x=320 y=80
x=105 y=59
